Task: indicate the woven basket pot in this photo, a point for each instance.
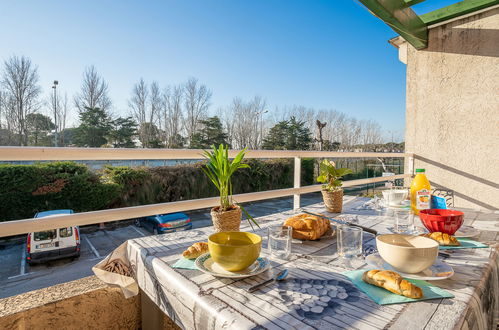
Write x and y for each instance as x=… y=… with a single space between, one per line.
x=333 y=200
x=226 y=221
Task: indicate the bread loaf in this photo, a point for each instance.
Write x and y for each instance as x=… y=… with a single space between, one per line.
x=308 y=227
x=392 y=282
x=443 y=238
x=195 y=250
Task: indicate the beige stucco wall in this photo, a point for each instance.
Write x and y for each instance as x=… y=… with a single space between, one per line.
x=87 y=303
x=452 y=113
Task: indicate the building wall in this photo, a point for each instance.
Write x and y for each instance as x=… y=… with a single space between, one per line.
x=452 y=113
x=87 y=303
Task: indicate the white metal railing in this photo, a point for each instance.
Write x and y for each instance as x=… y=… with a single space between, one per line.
x=10 y=228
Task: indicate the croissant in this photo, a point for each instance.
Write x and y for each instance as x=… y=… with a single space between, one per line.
x=443 y=238
x=195 y=250
x=392 y=282
x=308 y=227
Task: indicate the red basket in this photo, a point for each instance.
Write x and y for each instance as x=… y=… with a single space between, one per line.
x=442 y=220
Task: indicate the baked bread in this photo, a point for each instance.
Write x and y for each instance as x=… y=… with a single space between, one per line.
x=392 y=282
x=443 y=238
x=195 y=250
x=308 y=227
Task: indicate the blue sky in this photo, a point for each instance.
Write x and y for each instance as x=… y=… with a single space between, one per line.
x=322 y=54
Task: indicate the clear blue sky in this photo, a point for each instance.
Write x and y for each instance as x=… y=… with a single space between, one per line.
x=322 y=54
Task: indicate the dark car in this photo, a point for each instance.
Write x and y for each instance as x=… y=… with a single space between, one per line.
x=165 y=223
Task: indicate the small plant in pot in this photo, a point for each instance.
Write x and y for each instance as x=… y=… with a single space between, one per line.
x=332 y=193
x=219 y=169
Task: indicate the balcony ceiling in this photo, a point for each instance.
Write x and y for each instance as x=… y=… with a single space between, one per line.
x=401 y=18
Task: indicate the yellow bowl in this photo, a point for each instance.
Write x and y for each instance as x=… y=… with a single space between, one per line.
x=234 y=250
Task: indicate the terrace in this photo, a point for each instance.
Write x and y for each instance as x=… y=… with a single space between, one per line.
x=445 y=53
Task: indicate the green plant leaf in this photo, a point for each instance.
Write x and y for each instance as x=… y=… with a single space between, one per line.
x=322 y=178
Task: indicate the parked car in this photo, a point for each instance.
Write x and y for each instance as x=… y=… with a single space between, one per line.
x=55 y=243
x=165 y=223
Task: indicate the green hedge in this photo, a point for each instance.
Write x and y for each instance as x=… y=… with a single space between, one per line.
x=184 y=182
x=27 y=189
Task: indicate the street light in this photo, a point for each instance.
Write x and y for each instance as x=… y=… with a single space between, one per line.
x=261 y=113
x=55 y=110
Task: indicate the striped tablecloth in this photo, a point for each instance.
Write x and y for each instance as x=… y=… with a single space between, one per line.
x=316 y=295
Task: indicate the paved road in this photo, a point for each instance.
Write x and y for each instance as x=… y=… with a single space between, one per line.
x=17 y=277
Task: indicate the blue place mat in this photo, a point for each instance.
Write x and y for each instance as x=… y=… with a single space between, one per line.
x=385 y=297
x=465 y=244
x=184 y=263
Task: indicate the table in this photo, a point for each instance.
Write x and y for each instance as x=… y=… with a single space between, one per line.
x=194 y=300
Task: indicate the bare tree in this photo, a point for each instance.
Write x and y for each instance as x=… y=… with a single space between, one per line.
x=320 y=139
x=248 y=130
x=172 y=115
x=197 y=99
x=62 y=115
x=155 y=102
x=138 y=106
x=20 y=80
x=3 y=107
x=93 y=92
x=371 y=134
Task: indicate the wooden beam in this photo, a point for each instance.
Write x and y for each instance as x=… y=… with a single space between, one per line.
x=399 y=16
x=455 y=10
x=413 y=2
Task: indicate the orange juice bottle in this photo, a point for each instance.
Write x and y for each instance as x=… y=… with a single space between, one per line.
x=420 y=192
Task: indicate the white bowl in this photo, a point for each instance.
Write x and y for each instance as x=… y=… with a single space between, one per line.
x=395 y=197
x=407 y=253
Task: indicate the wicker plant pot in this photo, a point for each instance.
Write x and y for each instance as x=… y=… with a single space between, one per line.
x=333 y=200
x=226 y=221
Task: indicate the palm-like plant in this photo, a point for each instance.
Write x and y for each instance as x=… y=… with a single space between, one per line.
x=220 y=169
x=330 y=175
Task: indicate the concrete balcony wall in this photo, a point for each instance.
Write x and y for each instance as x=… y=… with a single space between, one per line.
x=452 y=114
x=87 y=303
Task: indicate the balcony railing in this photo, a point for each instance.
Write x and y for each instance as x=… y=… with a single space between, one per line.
x=17 y=227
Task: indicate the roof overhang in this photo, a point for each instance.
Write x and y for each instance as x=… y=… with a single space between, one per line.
x=401 y=18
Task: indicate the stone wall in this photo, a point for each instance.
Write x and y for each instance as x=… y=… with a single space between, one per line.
x=87 y=303
x=452 y=113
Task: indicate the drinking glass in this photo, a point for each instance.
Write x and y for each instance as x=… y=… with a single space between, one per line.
x=404 y=221
x=279 y=241
x=349 y=242
x=350 y=218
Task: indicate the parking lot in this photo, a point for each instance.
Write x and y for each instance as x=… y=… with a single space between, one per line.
x=16 y=276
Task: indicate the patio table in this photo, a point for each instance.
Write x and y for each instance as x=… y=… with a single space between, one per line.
x=194 y=300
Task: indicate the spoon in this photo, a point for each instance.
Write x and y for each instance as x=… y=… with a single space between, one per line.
x=279 y=277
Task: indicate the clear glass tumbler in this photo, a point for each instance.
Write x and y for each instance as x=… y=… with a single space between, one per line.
x=404 y=221
x=279 y=241
x=349 y=242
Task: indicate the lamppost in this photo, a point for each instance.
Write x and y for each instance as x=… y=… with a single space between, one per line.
x=55 y=110
x=261 y=113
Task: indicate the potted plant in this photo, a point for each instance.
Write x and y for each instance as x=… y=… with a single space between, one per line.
x=332 y=193
x=219 y=169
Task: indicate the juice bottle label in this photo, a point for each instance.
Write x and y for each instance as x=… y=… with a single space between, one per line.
x=423 y=199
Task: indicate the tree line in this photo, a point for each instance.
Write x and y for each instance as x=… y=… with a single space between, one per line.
x=173 y=116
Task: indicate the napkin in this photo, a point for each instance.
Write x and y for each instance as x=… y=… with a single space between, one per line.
x=385 y=297
x=185 y=263
x=465 y=244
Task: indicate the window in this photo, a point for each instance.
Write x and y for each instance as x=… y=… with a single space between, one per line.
x=66 y=232
x=45 y=235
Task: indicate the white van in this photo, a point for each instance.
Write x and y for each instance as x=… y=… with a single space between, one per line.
x=55 y=243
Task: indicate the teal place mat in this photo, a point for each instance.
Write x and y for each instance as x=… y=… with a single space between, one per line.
x=385 y=297
x=465 y=244
x=185 y=264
